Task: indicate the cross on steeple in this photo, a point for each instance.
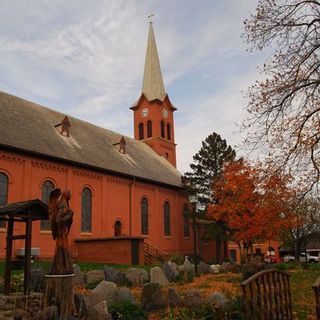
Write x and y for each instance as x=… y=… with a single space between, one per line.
x=150 y=17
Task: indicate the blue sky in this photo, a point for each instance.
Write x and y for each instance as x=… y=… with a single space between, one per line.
x=86 y=58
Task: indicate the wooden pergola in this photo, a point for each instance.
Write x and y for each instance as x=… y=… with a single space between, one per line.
x=25 y=212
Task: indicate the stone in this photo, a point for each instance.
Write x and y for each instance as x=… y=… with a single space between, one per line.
x=151 y=297
x=114 y=275
x=187 y=266
x=204 y=268
x=217 y=300
x=102 y=308
x=216 y=268
x=174 y=268
x=37 y=279
x=49 y=313
x=157 y=276
x=79 y=279
x=124 y=295
x=173 y=298
x=94 y=276
x=137 y=276
x=168 y=271
x=105 y=290
x=192 y=298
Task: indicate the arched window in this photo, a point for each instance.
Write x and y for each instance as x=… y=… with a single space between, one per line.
x=47 y=187
x=141 y=135
x=166 y=213
x=144 y=217
x=168 y=131
x=117 y=228
x=162 y=130
x=186 y=222
x=149 y=129
x=86 y=208
x=4 y=181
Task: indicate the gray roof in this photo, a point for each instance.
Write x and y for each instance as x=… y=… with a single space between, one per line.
x=30 y=127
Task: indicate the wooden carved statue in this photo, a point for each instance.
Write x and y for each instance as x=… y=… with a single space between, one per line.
x=59 y=284
x=61 y=217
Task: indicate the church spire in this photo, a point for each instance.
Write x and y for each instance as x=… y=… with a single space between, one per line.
x=152 y=87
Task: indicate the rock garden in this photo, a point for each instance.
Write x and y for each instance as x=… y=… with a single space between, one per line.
x=167 y=291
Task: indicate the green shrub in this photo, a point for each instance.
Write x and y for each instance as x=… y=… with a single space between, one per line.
x=127 y=311
x=177 y=258
x=251 y=268
x=93 y=284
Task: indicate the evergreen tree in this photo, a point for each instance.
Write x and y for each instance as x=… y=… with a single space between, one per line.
x=205 y=171
x=207 y=167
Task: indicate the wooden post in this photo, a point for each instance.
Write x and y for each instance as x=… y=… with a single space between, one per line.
x=27 y=255
x=7 y=272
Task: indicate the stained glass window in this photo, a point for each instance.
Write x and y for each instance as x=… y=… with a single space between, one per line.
x=166 y=212
x=144 y=217
x=86 y=208
x=3 y=193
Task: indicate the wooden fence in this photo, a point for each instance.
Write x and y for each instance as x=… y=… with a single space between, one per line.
x=316 y=289
x=267 y=296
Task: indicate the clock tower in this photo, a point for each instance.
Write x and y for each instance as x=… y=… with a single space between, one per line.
x=153 y=112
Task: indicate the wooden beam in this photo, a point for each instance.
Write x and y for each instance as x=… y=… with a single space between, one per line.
x=7 y=272
x=18 y=237
x=27 y=266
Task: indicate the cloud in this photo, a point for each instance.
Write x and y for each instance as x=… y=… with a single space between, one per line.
x=86 y=58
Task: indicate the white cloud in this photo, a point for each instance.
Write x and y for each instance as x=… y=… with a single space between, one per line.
x=86 y=58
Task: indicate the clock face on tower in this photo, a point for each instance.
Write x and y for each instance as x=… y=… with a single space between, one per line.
x=144 y=112
x=165 y=112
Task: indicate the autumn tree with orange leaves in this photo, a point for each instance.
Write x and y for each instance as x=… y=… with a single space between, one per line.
x=253 y=206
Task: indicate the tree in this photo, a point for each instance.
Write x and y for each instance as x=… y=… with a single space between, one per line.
x=207 y=167
x=253 y=209
x=284 y=108
x=305 y=222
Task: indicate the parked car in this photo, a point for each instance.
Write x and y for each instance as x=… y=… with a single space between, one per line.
x=313 y=252
x=308 y=258
x=288 y=258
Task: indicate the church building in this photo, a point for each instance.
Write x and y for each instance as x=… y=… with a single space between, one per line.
x=126 y=193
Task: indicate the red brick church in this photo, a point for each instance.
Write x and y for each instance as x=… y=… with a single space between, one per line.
x=126 y=193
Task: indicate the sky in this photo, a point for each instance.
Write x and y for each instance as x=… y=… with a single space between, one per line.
x=86 y=57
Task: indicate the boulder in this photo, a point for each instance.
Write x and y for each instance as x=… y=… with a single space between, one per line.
x=79 y=279
x=124 y=295
x=204 y=268
x=105 y=290
x=151 y=297
x=102 y=308
x=216 y=268
x=157 y=276
x=94 y=276
x=217 y=300
x=137 y=276
x=187 y=266
x=192 y=298
x=173 y=298
x=114 y=275
x=169 y=271
x=37 y=279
